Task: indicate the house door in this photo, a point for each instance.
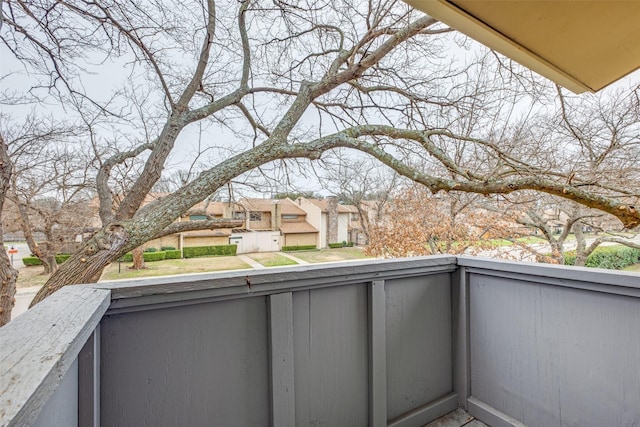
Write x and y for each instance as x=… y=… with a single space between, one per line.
x=237 y=240
x=275 y=242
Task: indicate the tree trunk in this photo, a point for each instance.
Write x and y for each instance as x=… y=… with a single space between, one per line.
x=8 y=275
x=49 y=262
x=138 y=259
x=557 y=252
x=581 y=245
x=47 y=256
x=87 y=263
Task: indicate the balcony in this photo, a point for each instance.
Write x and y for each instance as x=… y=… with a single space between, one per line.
x=379 y=343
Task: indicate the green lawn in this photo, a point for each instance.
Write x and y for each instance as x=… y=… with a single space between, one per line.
x=31 y=276
x=328 y=255
x=530 y=240
x=271 y=259
x=175 y=266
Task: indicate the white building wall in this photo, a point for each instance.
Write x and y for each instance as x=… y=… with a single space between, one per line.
x=343 y=227
x=324 y=226
x=257 y=241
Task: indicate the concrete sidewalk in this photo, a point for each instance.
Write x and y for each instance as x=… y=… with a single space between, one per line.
x=298 y=260
x=23 y=299
x=253 y=263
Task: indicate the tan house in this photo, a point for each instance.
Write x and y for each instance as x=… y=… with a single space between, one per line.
x=268 y=225
x=333 y=220
x=283 y=216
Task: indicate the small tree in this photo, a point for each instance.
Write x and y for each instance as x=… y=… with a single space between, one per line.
x=419 y=223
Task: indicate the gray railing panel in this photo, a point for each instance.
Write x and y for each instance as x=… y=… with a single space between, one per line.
x=203 y=364
x=39 y=347
x=62 y=408
x=418 y=323
x=331 y=354
x=555 y=355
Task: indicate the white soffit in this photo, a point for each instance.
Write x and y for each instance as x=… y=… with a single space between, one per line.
x=583 y=45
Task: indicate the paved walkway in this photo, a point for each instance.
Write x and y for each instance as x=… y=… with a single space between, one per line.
x=298 y=260
x=23 y=299
x=253 y=263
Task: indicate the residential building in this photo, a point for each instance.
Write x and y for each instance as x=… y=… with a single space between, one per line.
x=332 y=219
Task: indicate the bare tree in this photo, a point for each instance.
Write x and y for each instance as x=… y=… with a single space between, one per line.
x=48 y=184
x=290 y=82
x=417 y=222
x=8 y=274
x=363 y=183
x=556 y=220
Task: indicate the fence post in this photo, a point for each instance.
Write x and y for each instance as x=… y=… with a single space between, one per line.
x=377 y=355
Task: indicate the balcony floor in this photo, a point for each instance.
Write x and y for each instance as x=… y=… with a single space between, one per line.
x=457 y=418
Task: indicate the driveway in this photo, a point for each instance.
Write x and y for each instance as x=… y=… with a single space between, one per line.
x=23 y=251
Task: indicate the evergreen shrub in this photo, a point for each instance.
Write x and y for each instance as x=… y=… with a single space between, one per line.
x=300 y=248
x=611 y=257
x=204 y=251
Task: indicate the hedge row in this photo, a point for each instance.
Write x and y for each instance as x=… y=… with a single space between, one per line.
x=203 y=251
x=299 y=248
x=152 y=256
x=611 y=257
x=31 y=261
x=341 y=245
x=173 y=254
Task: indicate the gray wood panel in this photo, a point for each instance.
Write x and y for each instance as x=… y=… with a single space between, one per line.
x=555 y=356
x=377 y=355
x=331 y=361
x=283 y=405
x=198 y=365
x=89 y=382
x=38 y=347
x=419 y=344
x=62 y=408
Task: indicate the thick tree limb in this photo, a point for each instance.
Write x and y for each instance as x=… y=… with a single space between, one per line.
x=211 y=224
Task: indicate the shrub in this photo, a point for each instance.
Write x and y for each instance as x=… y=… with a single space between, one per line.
x=153 y=256
x=203 y=251
x=336 y=245
x=611 y=257
x=60 y=258
x=167 y=248
x=173 y=254
x=570 y=258
x=151 y=250
x=31 y=261
x=299 y=248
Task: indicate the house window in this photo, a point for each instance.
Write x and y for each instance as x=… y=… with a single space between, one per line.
x=255 y=216
x=197 y=217
x=238 y=215
x=289 y=216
